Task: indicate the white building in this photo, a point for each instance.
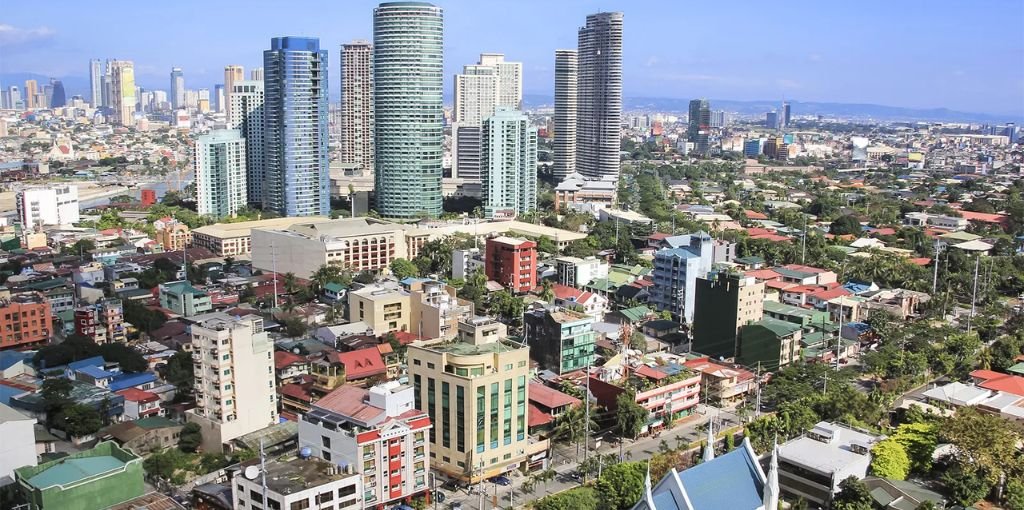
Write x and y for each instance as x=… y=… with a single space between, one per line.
x=246 y=115
x=466 y=262
x=219 y=162
x=297 y=483
x=566 y=105
x=234 y=377
x=357 y=105
x=509 y=164
x=358 y=243
x=813 y=465
x=18 y=448
x=577 y=272
x=55 y=205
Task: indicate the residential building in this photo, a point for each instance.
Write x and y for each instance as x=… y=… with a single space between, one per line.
x=140 y=403
x=296 y=483
x=31 y=95
x=675 y=275
x=699 y=126
x=297 y=181
x=475 y=391
x=408 y=51
x=122 y=74
x=357 y=105
x=384 y=306
x=247 y=115
x=812 y=466
x=668 y=392
x=102 y=322
x=233 y=239
x=566 y=106
x=379 y=433
x=183 y=299
x=599 y=95
x=144 y=435
x=585 y=194
x=723 y=383
x=512 y=263
x=436 y=310
x=476 y=94
x=724 y=303
x=786 y=115
x=577 y=272
x=586 y=302
x=509 y=163
x=219 y=163
x=25 y=321
x=772 y=343
x=97 y=478
x=18 y=449
x=466 y=262
x=95 y=83
x=232 y=75
x=359 y=244
x=234 y=377
x=561 y=340
x=177 y=95
x=174 y=236
x=52 y=205
x=510 y=80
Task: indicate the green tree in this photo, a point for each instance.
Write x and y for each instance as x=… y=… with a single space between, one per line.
x=295 y=327
x=845 y=225
x=638 y=341
x=403 y=269
x=621 y=485
x=965 y=486
x=919 y=441
x=180 y=372
x=547 y=290
x=190 y=438
x=571 y=426
x=580 y=498
x=1015 y=494
x=889 y=460
x=142 y=317
x=630 y=417
x=79 y=420
x=852 y=495
x=546 y=245
x=985 y=442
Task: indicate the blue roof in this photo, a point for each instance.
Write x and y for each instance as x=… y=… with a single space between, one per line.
x=95 y=361
x=856 y=287
x=860 y=327
x=682 y=253
x=7 y=392
x=727 y=481
x=95 y=372
x=10 y=358
x=124 y=381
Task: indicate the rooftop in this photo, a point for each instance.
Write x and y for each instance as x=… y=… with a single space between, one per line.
x=287 y=475
x=244 y=228
x=829 y=447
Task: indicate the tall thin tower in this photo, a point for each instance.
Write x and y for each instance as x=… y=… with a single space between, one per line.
x=96 y=83
x=357 y=104
x=232 y=74
x=599 y=94
x=566 y=66
x=177 y=88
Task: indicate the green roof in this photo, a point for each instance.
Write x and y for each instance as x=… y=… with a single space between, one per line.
x=792 y=273
x=73 y=470
x=636 y=313
x=753 y=259
x=156 y=422
x=601 y=284
x=334 y=287
x=52 y=283
x=66 y=315
x=780 y=328
x=1017 y=369
x=784 y=309
x=960 y=236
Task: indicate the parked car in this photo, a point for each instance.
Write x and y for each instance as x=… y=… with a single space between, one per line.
x=500 y=480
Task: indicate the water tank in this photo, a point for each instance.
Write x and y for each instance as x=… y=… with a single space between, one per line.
x=305 y=452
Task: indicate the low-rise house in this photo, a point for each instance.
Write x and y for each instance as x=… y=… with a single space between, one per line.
x=812 y=466
x=723 y=383
x=98 y=478
x=140 y=403
x=668 y=392
x=546 y=405
x=289 y=366
x=589 y=303
x=145 y=435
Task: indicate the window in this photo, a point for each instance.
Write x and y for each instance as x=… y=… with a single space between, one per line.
x=326 y=496
x=416 y=362
x=326 y=441
x=446 y=432
x=348 y=490
x=494 y=415
x=301 y=504
x=417 y=385
x=326 y=455
x=460 y=418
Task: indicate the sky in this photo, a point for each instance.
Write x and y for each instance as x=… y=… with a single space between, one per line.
x=965 y=56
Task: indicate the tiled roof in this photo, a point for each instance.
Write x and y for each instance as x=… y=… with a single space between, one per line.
x=550 y=397
x=999 y=382
x=650 y=373
x=283 y=359
x=362 y=363
x=537 y=418
x=349 y=401
x=137 y=395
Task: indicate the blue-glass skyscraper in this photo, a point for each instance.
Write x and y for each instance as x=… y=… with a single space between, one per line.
x=295 y=126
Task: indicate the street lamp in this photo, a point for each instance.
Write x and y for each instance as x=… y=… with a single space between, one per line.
x=433 y=488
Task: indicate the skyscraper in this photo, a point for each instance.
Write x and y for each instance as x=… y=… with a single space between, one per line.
x=232 y=74
x=31 y=89
x=476 y=96
x=177 y=88
x=599 y=95
x=14 y=98
x=697 y=130
x=510 y=79
x=771 y=120
x=357 y=104
x=785 y=114
x=219 y=163
x=295 y=125
x=219 y=97
x=408 y=50
x=247 y=116
x=57 y=97
x=256 y=74
x=566 y=67
x=509 y=160
x=95 y=83
x=122 y=74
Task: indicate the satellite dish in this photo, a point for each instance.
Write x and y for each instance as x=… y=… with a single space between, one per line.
x=252 y=472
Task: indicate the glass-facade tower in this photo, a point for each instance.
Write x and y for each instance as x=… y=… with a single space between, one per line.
x=408 y=119
x=295 y=126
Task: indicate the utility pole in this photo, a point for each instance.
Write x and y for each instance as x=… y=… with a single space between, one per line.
x=273 y=257
x=974 y=293
x=803 y=245
x=586 y=422
x=757 y=402
x=935 y=276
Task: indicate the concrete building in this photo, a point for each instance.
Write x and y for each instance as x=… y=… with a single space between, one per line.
x=184 y=299
x=53 y=205
x=232 y=75
x=177 y=95
x=357 y=105
x=436 y=311
x=566 y=105
x=771 y=342
x=360 y=244
x=812 y=466
x=466 y=262
x=561 y=340
x=246 y=114
x=25 y=321
x=18 y=449
x=512 y=263
x=297 y=181
x=699 y=128
x=408 y=50
x=95 y=83
x=667 y=392
x=174 y=236
x=233 y=239
x=98 y=478
x=379 y=433
x=384 y=306
x=102 y=322
x=509 y=164
x=122 y=73
x=234 y=378
x=724 y=303
x=577 y=272
x=675 y=274
x=296 y=483
x=723 y=383
x=585 y=194
x=31 y=94
x=599 y=95
x=219 y=162
x=475 y=391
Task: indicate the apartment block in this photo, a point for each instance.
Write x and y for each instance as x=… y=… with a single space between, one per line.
x=724 y=303
x=512 y=263
x=102 y=322
x=296 y=483
x=561 y=340
x=436 y=310
x=25 y=321
x=384 y=306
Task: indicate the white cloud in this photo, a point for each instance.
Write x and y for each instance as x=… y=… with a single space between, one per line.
x=14 y=36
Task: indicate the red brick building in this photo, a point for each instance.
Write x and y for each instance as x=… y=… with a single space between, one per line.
x=25 y=321
x=512 y=263
x=148 y=197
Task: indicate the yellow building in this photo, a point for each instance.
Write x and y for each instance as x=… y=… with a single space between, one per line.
x=122 y=74
x=384 y=306
x=174 y=237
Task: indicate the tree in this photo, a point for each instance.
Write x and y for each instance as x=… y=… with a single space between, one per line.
x=190 y=438
x=638 y=341
x=546 y=245
x=845 y=225
x=142 y=317
x=621 y=486
x=180 y=372
x=403 y=269
x=79 y=420
x=1015 y=495
x=290 y=282
x=852 y=495
x=571 y=426
x=964 y=485
x=630 y=417
x=985 y=442
x=919 y=441
x=295 y=327
x=889 y=460
x=580 y=498
x=547 y=291
x=365 y=277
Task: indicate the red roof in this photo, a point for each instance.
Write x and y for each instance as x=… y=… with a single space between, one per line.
x=550 y=397
x=362 y=363
x=984 y=217
x=565 y=292
x=763 y=274
x=758 y=231
x=137 y=395
x=650 y=373
x=348 y=401
x=920 y=261
x=754 y=215
x=999 y=382
x=887 y=231
x=405 y=337
x=804 y=269
x=826 y=295
x=778 y=284
x=772 y=237
x=296 y=391
x=283 y=359
x=537 y=417
x=658 y=236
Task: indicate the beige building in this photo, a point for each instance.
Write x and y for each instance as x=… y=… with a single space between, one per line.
x=384 y=306
x=174 y=237
x=122 y=74
x=234 y=378
x=232 y=74
x=476 y=392
x=357 y=105
x=234 y=239
x=360 y=244
x=436 y=311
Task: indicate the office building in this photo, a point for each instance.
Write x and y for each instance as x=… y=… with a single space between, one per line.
x=247 y=116
x=58 y=98
x=256 y=74
x=475 y=391
x=561 y=340
x=101 y=477
x=771 y=120
x=357 y=105
x=296 y=483
x=752 y=148
x=297 y=181
x=234 y=378
x=31 y=91
x=220 y=173
x=408 y=117
x=232 y=75
x=699 y=126
x=509 y=161
x=599 y=95
x=510 y=79
x=233 y=239
x=724 y=303
x=379 y=433
x=362 y=244
x=218 y=98
x=785 y=114
x=95 y=83
x=54 y=205
x=566 y=75
x=122 y=74
x=14 y=98
x=25 y=321
x=675 y=275
x=476 y=94
x=435 y=309
x=718 y=118
x=177 y=95
x=813 y=465
x=512 y=263
x=770 y=343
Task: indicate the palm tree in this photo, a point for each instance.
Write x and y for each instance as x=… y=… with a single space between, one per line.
x=289 y=282
x=571 y=426
x=547 y=292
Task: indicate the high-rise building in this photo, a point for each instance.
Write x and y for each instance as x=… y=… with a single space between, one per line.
x=107 y=87
x=724 y=303
x=476 y=97
x=247 y=116
x=232 y=74
x=234 y=377
x=219 y=98
x=177 y=88
x=718 y=118
x=219 y=163
x=31 y=90
x=14 y=98
x=54 y=205
x=408 y=50
x=510 y=79
x=509 y=161
x=122 y=74
x=699 y=125
x=771 y=120
x=676 y=271
x=295 y=128
x=357 y=105
x=476 y=392
x=599 y=95
x=57 y=95
x=566 y=71
x=256 y=74
x=785 y=114
x=95 y=83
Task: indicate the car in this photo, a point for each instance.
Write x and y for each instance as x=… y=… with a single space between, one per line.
x=451 y=485
x=500 y=480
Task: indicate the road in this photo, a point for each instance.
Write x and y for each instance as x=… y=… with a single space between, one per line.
x=563 y=461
